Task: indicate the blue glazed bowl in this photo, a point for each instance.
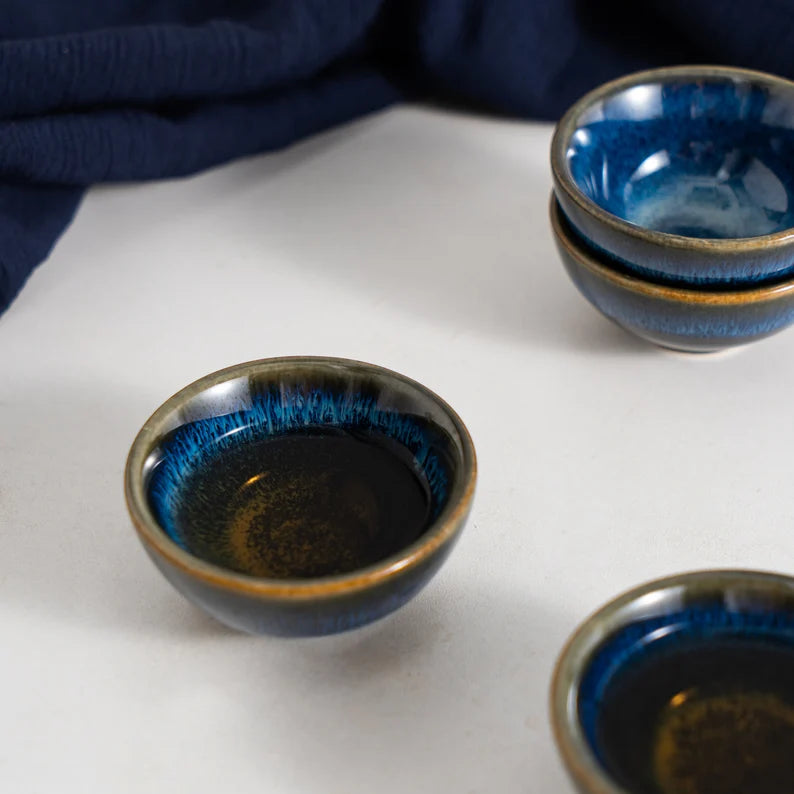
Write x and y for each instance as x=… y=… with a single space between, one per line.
x=691 y=320
x=682 y=684
x=305 y=546
x=683 y=174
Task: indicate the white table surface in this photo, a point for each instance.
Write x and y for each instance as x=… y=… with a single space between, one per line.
x=418 y=240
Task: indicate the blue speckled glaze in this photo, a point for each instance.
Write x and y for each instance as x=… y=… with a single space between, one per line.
x=195 y=444
x=676 y=319
x=707 y=158
x=276 y=413
x=630 y=645
x=695 y=159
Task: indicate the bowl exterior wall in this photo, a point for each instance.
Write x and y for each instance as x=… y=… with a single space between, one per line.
x=311 y=617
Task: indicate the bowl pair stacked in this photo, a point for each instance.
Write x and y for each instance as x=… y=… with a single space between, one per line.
x=673 y=206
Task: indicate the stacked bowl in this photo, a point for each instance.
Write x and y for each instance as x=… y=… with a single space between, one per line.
x=673 y=205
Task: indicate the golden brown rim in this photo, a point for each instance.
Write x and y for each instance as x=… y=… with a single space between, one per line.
x=568 y=125
x=440 y=531
x=579 y=759
x=652 y=289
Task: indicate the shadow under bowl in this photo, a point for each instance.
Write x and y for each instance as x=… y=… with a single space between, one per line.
x=300 y=496
x=684 y=174
x=686 y=319
x=685 y=684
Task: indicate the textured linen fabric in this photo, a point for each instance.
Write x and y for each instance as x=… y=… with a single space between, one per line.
x=139 y=89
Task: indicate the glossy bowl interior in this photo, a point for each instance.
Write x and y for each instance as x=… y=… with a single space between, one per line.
x=254 y=569
x=697 y=158
x=694 y=159
x=727 y=616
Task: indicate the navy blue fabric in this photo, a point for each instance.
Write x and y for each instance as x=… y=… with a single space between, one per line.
x=139 y=89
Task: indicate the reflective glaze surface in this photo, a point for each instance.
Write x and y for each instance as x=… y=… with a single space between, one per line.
x=699 y=157
x=300 y=496
x=313 y=502
x=683 y=685
x=699 y=701
x=300 y=482
x=691 y=320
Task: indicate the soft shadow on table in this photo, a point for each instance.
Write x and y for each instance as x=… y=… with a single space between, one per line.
x=69 y=551
x=443 y=216
x=430 y=699
x=438 y=215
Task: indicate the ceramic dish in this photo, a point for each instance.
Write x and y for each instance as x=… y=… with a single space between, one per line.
x=685 y=684
x=300 y=496
x=684 y=174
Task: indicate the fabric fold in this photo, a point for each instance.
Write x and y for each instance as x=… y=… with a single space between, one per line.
x=143 y=89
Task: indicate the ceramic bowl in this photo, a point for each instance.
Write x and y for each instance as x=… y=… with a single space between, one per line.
x=260 y=560
x=649 y=691
x=684 y=174
x=687 y=319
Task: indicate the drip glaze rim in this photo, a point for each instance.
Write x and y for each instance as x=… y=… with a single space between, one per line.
x=631 y=282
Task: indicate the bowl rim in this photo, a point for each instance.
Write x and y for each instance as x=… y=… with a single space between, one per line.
x=568 y=124
x=572 y=662
x=440 y=531
x=653 y=289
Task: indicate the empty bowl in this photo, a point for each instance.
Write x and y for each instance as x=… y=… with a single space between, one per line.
x=684 y=174
x=300 y=496
x=687 y=319
x=682 y=686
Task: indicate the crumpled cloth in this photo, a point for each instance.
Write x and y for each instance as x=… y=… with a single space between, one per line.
x=99 y=91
